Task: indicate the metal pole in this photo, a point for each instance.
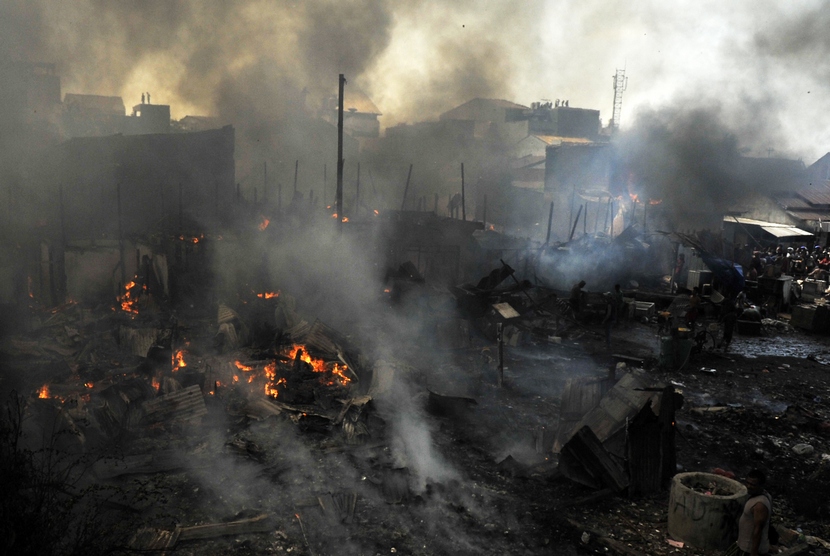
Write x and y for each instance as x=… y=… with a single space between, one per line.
x=463 y=206
x=339 y=195
x=406 y=187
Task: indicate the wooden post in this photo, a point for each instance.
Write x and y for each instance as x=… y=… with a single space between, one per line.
x=120 y=235
x=571 y=213
x=607 y=212
x=612 y=216
x=339 y=195
x=484 y=220
x=585 y=220
x=550 y=223
x=575 y=223
x=500 y=335
x=357 y=194
x=463 y=206
x=406 y=187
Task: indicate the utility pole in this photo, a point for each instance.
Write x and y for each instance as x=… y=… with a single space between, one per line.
x=342 y=83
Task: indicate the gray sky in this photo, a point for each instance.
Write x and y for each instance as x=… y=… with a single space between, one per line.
x=759 y=63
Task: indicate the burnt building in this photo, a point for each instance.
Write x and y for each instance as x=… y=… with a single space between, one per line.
x=161 y=179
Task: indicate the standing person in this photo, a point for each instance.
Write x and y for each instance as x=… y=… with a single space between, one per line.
x=678 y=270
x=753 y=523
x=729 y=318
x=576 y=298
x=619 y=302
x=694 y=308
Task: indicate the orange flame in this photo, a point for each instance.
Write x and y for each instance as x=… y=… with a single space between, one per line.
x=268 y=295
x=270 y=385
x=263 y=223
x=319 y=365
x=345 y=219
x=129 y=304
x=178 y=359
x=155 y=383
x=43 y=393
x=242 y=367
x=334 y=215
x=655 y=201
x=634 y=197
x=89 y=384
x=193 y=240
x=376 y=212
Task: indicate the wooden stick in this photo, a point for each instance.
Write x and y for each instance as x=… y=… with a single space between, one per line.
x=406 y=187
x=463 y=206
x=575 y=223
x=550 y=223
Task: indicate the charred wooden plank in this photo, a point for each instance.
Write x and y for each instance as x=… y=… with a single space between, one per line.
x=586 y=449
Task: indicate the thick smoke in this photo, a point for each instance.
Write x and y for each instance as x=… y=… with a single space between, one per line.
x=684 y=157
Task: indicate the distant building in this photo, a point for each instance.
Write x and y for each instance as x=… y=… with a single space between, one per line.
x=195 y=123
x=93 y=115
x=493 y=118
x=97 y=115
x=819 y=171
x=360 y=115
x=160 y=178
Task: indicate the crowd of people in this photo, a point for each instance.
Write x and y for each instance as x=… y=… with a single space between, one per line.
x=801 y=262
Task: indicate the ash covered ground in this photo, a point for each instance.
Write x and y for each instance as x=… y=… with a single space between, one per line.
x=433 y=456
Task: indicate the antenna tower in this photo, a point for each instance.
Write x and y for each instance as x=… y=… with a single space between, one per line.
x=620 y=85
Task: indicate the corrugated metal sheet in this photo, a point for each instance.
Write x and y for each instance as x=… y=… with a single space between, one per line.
x=816 y=196
x=824 y=216
x=785 y=231
x=624 y=400
x=183 y=405
x=558 y=140
x=794 y=203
